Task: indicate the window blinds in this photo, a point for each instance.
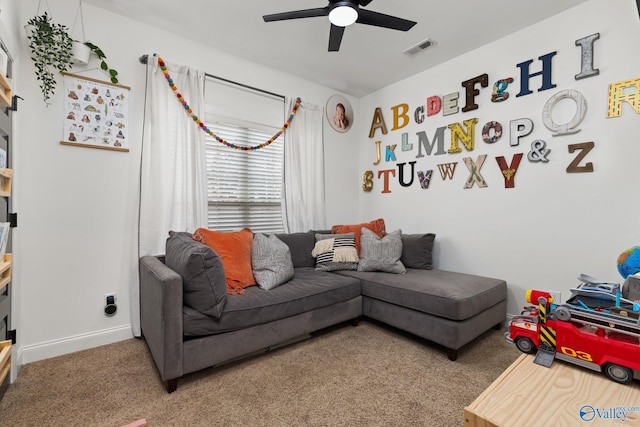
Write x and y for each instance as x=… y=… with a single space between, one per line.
x=244 y=187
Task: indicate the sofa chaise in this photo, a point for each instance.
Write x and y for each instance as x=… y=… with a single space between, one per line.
x=191 y=327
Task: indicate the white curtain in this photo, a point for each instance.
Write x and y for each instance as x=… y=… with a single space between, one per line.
x=304 y=201
x=173 y=190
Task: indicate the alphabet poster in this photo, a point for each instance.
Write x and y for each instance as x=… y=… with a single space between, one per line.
x=95 y=113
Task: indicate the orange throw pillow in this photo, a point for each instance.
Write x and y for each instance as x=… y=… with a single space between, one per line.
x=377 y=226
x=234 y=249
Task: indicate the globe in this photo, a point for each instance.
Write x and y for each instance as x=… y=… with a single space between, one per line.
x=629 y=261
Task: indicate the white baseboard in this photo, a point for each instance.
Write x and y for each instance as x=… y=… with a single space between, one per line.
x=46 y=350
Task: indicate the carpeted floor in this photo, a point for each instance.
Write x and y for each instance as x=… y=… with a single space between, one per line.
x=369 y=375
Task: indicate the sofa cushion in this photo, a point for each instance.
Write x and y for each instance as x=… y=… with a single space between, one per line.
x=381 y=254
x=447 y=294
x=270 y=261
x=301 y=245
x=377 y=226
x=308 y=290
x=335 y=252
x=417 y=250
x=204 y=284
x=234 y=249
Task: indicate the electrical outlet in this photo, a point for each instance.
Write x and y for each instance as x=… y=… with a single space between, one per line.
x=557 y=296
x=110 y=308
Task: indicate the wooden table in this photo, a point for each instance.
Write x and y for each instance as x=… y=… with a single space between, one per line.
x=527 y=394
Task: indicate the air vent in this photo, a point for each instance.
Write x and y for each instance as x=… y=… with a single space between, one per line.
x=419 y=47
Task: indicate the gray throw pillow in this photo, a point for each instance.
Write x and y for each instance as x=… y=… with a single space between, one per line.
x=300 y=244
x=417 y=250
x=381 y=254
x=203 y=279
x=335 y=252
x=270 y=261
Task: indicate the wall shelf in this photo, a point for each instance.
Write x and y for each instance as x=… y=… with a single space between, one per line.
x=5 y=186
x=5 y=91
x=5 y=359
x=5 y=270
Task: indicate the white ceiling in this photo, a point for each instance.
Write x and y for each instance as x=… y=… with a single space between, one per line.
x=369 y=58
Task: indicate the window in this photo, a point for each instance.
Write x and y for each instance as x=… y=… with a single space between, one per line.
x=243 y=187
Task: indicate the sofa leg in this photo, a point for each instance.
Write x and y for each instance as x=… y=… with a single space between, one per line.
x=356 y=321
x=172 y=385
x=452 y=354
x=497 y=326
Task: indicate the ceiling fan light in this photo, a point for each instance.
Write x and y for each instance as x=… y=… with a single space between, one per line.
x=343 y=16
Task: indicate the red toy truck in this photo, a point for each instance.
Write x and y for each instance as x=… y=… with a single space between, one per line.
x=603 y=339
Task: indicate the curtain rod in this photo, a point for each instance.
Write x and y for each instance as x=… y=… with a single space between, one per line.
x=144 y=59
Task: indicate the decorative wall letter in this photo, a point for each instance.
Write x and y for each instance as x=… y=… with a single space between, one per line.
x=499 y=90
x=586 y=43
x=400 y=113
x=472 y=92
x=401 y=173
x=390 y=155
x=368 y=181
x=386 y=173
x=519 y=128
x=570 y=127
x=509 y=171
x=546 y=74
x=423 y=141
x=405 y=142
x=474 y=169
x=418 y=115
x=434 y=105
x=539 y=151
x=617 y=95
x=425 y=178
x=447 y=170
x=450 y=104
x=458 y=134
x=497 y=132
x=574 y=166
x=378 y=151
x=377 y=122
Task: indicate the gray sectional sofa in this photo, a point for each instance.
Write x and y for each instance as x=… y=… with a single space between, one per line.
x=190 y=324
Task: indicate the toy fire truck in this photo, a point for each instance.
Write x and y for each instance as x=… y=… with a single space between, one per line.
x=596 y=328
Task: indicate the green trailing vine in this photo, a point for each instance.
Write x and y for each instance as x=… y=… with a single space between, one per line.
x=113 y=74
x=51 y=50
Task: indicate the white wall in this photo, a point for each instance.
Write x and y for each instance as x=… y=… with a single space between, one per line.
x=553 y=225
x=78 y=207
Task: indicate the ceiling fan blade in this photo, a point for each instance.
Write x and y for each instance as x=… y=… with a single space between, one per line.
x=335 y=38
x=378 y=19
x=296 y=14
x=364 y=2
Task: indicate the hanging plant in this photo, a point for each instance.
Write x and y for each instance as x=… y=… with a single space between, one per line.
x=51 y=48
x=113 y=74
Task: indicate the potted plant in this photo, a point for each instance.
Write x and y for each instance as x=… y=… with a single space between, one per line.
x=113 y=74
x=51 y=50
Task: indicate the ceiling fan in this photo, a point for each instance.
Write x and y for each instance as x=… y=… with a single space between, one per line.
x=342 y=14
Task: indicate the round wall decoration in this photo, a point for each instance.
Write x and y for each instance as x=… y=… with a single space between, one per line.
x=339 y=113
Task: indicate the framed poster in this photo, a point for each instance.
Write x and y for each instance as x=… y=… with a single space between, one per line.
x=339 y=113
x=95 y=113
